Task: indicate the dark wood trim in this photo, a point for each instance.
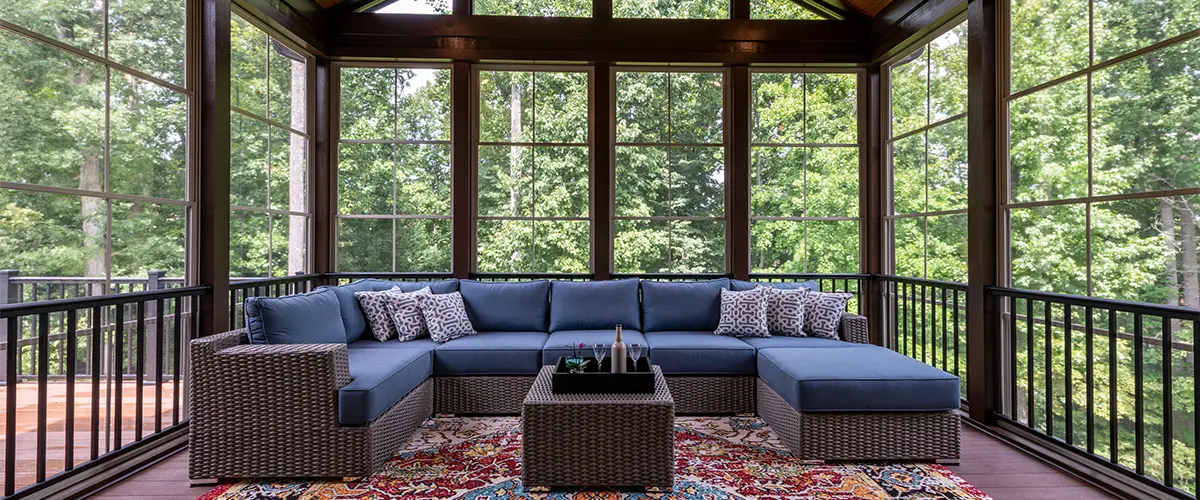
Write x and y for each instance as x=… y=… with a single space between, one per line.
x=731 y=41
x=461 y=211
x=602 y=9
x=983 y=180
x=905 y=21
x=738 y=210
x=324 y=184
x=871 y=204
x=213 y=173
x=303 y=21
x=462 y=8
x=739 y=9
x=602 y=193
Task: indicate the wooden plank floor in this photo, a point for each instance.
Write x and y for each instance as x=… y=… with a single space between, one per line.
x=999 y=470
x=56 y=419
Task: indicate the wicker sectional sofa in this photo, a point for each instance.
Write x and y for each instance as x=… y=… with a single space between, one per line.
x=338 y=409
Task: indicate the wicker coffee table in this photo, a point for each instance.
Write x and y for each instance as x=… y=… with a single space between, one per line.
x=613 y=440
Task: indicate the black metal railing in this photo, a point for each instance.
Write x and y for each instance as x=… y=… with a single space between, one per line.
x=344 y=278
x=830 y=283
x=927 y=320
x=93 y=362
x=241 y=289
x=1110 y=380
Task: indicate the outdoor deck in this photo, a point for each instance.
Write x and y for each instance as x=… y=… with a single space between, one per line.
x=56 y=420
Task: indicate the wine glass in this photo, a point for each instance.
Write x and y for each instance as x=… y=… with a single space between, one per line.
x=635 y=352
x=599 y=350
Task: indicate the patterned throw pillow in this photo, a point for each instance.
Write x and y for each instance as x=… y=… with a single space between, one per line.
x=405 y=310
x=785 y=311
x=744 y=314
x=446 y=316
x=374 y=306
x=823 y=313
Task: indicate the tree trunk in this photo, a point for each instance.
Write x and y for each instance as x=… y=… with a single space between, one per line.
x=1167 y=218
x=1191 y=280
x=93 y=215
x=298 y=173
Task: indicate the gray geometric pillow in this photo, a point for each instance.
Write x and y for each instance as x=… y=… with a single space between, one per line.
x=785 y=311
x=823 y=313
x=405 y=311
x=744 y=314
x=374 y=306
x=446 y=316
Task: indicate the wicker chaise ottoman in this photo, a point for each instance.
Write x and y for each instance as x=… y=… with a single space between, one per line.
x=615 y=440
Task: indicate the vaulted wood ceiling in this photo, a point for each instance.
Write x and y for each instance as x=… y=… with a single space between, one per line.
x=868 y=7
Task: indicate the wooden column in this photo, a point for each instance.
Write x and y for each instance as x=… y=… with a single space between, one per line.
x=461 y=238
x=983 y=178
x=739 y=9
x=213 y=170
x=738 y=198
x=871 y=181
x=324 y=180
x=602 y=171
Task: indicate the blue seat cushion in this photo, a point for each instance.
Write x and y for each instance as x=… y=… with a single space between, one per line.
x=558 y=345
x=860 y=379
x=595 y=305
x=425 y=343
x=378 y=379
x=682 y=305
x=352 y=315
x=308 y=318
x=507 y=307
x=491 y=353
x=700 y=353
x=741 y=286
x=784 y=341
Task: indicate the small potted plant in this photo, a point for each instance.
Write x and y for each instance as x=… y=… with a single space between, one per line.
x=576 y=363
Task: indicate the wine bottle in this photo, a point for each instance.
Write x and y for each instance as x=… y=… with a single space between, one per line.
x=618 y=353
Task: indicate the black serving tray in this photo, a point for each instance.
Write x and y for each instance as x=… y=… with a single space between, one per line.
x=638 y=379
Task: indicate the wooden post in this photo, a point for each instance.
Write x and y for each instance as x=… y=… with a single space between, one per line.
x=323 y=178
x=461 y=211
x=602 y=171
x=983 y=179
x=738 y=198
x=153 y=282
x=871 y=204
x=213 y=174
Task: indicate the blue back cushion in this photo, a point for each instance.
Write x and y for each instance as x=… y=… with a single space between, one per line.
x=310 y=318
x=594 y=305
x=507 y=307
x=352 y=316
x=741 y=286
x=682 y=305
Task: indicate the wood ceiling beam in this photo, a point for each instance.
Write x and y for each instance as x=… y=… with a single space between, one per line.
x=305 y=22
x=728 y=41
x=903 y=21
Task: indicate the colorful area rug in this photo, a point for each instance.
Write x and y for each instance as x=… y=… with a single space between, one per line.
x=716 y=458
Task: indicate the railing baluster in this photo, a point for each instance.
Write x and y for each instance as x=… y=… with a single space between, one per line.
x=43 y=365
x=1090 y=338
x=140 y=367
x=1138 y=394
x=118 y=373
x=1069 y=374
x=177 y=372
x=233 y=309
x=1113 y=434
x=943 y=293
x=1012 y=349
x=158 y=363
x=1031 y=410
x=10 y=408
x=956 y=330
x=97 y=343
x=1168 y=404
x=1049 y=354
x=69 y=449
x=933 y=326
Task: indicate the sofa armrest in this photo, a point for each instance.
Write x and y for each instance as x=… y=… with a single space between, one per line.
x=243 y=387
x=853 y=328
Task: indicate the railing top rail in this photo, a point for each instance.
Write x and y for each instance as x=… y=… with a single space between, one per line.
x=243 y=283
x=829 y=276
x=383 y=275
x=1166 y=311
x=672 y=276
x=953 y=285
x=60 y=305
x=519 y=276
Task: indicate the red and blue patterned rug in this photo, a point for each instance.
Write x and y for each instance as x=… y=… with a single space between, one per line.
x=716 y=458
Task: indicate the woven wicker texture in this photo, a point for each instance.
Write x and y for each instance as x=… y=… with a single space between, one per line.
x=704 y=395
x=598 y=439
x=853 y=328
x=861 y=436
x=481 y=395
x=271 y=411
